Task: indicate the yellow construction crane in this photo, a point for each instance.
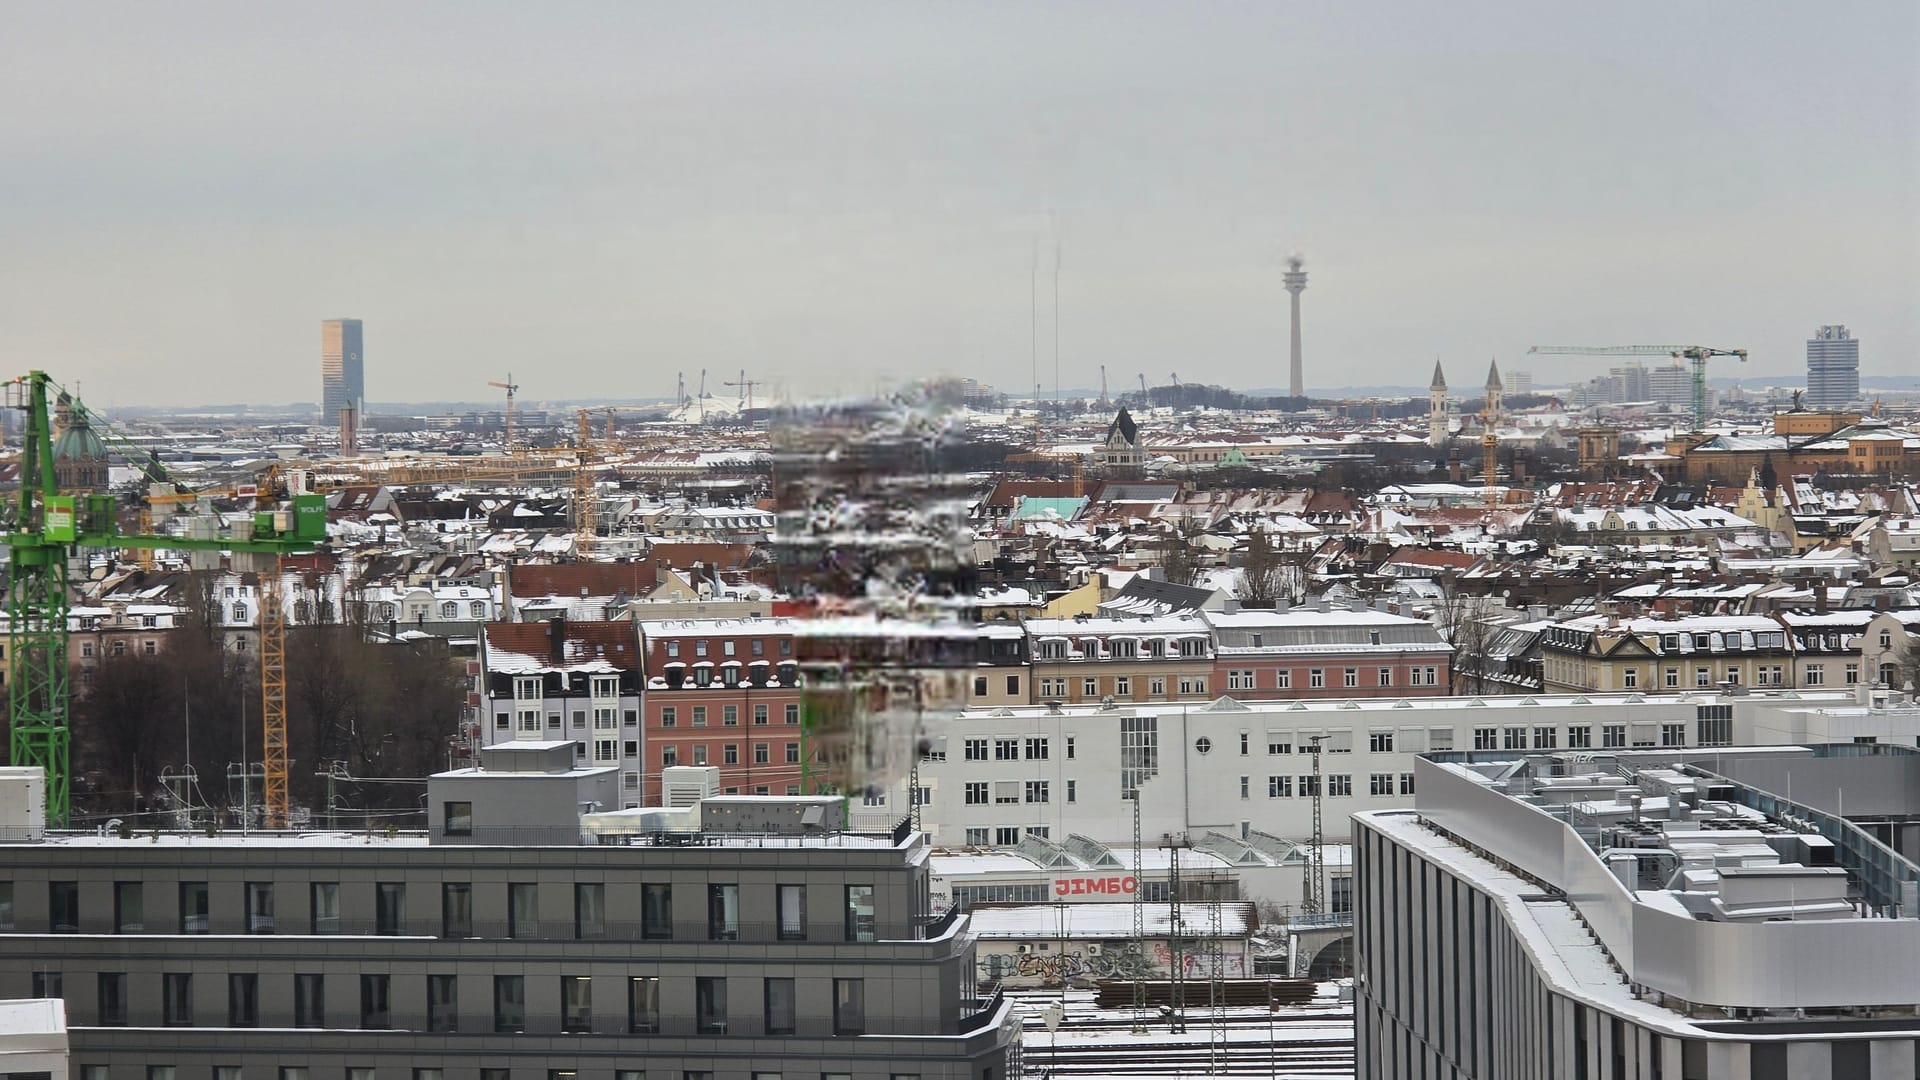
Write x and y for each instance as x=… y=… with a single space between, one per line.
x=1696 y=355
x=511 y=388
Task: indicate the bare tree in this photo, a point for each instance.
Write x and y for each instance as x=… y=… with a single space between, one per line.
x=1177 y=557
x=1466 y=622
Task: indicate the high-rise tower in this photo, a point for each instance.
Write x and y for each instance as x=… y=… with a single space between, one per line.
x=1833 y=368
x=1295 y=280
x=343 y=382
x=1437 y=408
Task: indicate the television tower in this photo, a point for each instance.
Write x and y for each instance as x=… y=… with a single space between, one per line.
x=1295 y=280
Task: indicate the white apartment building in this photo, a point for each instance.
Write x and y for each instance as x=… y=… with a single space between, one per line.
x=991 y=777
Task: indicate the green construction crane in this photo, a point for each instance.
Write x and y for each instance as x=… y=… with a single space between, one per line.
x=47 y=528
x=1695 y=355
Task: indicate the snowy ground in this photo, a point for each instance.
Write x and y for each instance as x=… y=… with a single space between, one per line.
x=1301 y=1041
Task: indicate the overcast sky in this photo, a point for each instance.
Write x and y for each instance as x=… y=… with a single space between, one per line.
x=596 y=197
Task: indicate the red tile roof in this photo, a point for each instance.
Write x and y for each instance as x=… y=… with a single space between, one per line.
x=580 y=579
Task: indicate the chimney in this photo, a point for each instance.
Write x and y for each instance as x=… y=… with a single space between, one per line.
x=1820 y=598
x=557 y=639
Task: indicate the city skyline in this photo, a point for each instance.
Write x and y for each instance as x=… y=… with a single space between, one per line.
x=839 y=203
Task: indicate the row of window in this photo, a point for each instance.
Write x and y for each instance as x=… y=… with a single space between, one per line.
x=755 y=647
x=700 y=753
x=729 y=715
x=589 y=915
x=1350 y=678
x=118 y=647
x=1191 y=647
x=982 y=793
x=1056 y=687
x=1574 y=672
x=1339 y=785
x=710 y=1009
x=1038 y=748
x=1580 y=736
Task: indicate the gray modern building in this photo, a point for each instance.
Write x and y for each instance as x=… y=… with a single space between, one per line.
x=1833 y=368
x=525 y=936
x=1742 y=913
x=343 y=381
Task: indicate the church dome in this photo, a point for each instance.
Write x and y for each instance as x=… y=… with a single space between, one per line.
x=78 y=442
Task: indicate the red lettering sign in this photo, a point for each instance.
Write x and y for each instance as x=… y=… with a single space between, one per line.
x=1116 y=885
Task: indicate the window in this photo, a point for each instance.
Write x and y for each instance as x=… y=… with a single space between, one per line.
x=1515 y=738
x=762 y=753
x=1380 y=784
x=1070 y=748
x=760 y=715
x=710 y=1005
x=523 y=909
x=509 y=1003
x=1316 y=678
x=1852 y=672
x=1037 y=749
x=860 y=921
x=1715 y=724
x=1156 y=686
x=1139 y=753
x=723 y=913
x=1013 y=684
x=656 y=912
x=1193 y=685
x=699 y=716
x=1406 y=783
x=1340 y=895
x=49 y=984
x=1486 y=738
x=1350 y=678
x=576 y=1004
x=1673 y=734
x=325 y=906
x=176 y=999
x=1073 y=790
x=193 y=907
x=669 y=716
x=1122 y=686
x=793 y=755
x=1279 y=742
x=669 y=756
x=376 y=1005
x=1243 y=744
x=1038 y=791
x=1246 y=787
x=309 y=1001
x=979 y=686
x=259 y=907
x=1006 y=835
x=1580 y=737
x=443 y=1009
x=1240 y=680
x=456 y=909
x=1630 y=678
x=1283 y=679
x=849 y=1006
x=975 y=749
x=730 y=754
x=790 y=904
x=699 y=755
x=730 y=715
x=243 y=1000
x=1339 y=785
x=389 y=908
x=1545 y=738
x=1613 y=735
x=978 y=838
x=781 y=1015
x=643 y=1004
x=112 y=998
x=1090 y=687
x=976 y=793
x=1440 y=738
x=589 y=910
x=1006 y=749
x=1380 y=742
x=1279 y=787
x=1702 y=677
x=127 y=905
x=793 y=713
x=1672 y=677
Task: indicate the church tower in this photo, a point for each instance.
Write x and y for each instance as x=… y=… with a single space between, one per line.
x=1437 y=408
x=1495 y=408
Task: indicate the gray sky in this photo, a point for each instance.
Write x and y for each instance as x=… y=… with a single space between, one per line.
x=828 y=195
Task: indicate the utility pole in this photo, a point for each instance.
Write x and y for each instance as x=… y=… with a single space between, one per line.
x=1316 y=890
x=1139 y=928
x=1176 y=937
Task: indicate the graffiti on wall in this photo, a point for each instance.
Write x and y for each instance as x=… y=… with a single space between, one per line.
x=1200 y=965
x=1111 y=963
